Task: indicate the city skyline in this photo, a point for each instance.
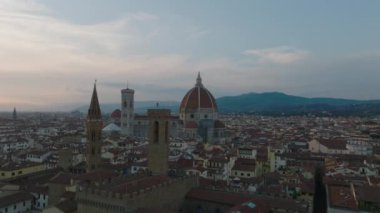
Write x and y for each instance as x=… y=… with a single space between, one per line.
x=52 y=51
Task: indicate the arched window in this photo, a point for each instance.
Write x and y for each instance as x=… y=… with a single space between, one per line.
x=167 y=132
x=125 y=103
x=156 y=132
x=199 y=209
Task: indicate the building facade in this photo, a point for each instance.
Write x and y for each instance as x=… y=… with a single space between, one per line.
x=197 y=119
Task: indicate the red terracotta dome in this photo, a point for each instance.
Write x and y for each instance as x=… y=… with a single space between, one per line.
x=198 y=97
x=116 y=114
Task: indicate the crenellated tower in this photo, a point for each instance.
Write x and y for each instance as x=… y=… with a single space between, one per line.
x=158 y=141
x=94 y=133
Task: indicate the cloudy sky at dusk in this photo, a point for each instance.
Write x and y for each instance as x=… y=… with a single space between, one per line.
x=52 y=50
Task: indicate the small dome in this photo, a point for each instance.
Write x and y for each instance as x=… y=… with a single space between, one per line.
x=198 y=98
x=116 y=114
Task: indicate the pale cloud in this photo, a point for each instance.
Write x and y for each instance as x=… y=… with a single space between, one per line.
x=21 y=6
x=280 y=55
x=51 y=63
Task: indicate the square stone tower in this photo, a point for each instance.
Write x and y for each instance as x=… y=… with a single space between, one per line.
x=158 y=141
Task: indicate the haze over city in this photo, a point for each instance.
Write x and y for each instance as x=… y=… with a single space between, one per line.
x=52 y=51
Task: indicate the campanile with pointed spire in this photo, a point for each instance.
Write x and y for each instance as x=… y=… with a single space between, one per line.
x=94 y=126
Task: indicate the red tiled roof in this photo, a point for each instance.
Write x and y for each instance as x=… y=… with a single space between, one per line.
x=342 y=197
x=334 y=144
x=227 y=198
x=252 y=206
x=368 y=193
x=61 y=178
x=98 y=174
x=191 y=125
x=136 y=185
x=242 y=164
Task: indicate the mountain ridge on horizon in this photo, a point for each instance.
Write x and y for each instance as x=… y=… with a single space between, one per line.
x=254 y=102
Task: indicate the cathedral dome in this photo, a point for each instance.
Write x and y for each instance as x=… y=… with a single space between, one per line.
x=198 y=98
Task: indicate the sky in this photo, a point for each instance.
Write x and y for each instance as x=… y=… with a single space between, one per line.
x=51 y=51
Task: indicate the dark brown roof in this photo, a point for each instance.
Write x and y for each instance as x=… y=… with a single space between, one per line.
x=342 y=197
x=67 y=206
x=242 y=164
x=368 y=193
x=219 y=124
x=9 y=197
x=97 y=175
x=61 y=178
x=134 y=185
x=226 y=198
x=334 y=144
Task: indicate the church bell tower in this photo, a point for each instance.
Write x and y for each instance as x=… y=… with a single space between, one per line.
x=94 y=133
x=127 y=111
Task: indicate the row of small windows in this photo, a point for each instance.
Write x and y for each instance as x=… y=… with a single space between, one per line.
x=204 y=116
x=102 y=205
x=13 y=173
x=242 y=174
x=15 y=207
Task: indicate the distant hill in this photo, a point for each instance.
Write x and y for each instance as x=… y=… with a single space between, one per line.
x=276 y=103
x=270 y=103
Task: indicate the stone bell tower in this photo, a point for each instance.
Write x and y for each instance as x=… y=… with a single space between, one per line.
x=158 y=141
x=127 y=111
x=94 y=127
